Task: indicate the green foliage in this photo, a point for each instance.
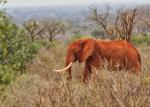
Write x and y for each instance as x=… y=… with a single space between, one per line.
x=7 y=74
x=15 y=49
x=24 y=54
x=144 y=34
x=143 y=40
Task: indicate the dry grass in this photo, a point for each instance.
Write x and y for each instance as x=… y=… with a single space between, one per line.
x=42 y=87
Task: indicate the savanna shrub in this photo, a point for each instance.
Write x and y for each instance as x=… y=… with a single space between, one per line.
x=15 y=49
x=7 y=74
x=141 y=40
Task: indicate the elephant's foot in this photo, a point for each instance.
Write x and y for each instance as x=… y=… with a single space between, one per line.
x=69 y=78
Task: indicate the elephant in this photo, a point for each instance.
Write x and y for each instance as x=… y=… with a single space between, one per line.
x=118 y=54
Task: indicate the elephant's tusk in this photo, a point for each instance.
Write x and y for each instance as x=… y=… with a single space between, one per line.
x=60 y=70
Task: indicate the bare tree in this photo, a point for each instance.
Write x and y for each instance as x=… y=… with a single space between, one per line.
x=34 y=28
x=53 y=28
x=122 y=25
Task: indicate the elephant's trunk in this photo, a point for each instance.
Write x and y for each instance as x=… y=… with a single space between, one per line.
x=70 y=58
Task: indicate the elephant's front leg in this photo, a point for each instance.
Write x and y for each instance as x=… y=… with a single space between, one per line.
x=94 y=61
x=69 y=74
x=87 y=72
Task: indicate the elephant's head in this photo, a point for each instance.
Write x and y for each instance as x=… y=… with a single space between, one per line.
x=79 y=50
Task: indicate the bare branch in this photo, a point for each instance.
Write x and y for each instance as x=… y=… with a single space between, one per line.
x=34 y=28
x=123 y=23
x=52 y=29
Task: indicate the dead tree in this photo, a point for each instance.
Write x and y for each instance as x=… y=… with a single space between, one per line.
x=53 y=28
x=34 y=28
x=122 y=25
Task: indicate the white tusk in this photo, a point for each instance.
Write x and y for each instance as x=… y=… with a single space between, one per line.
x=64 y=69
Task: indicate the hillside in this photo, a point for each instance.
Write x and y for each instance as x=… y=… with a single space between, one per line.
x=74 y=13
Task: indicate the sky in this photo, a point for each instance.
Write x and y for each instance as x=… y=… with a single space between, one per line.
x=71 y=2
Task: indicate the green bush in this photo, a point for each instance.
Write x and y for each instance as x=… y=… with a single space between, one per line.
x=15 y=49
x=7 y=74
x=143 y=40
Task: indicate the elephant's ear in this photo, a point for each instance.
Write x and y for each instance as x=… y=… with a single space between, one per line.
x=88 y=47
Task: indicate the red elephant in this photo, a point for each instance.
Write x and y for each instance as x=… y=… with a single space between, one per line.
x=119 y=54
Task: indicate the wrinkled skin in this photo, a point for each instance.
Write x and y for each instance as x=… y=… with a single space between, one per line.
x=119 y=54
